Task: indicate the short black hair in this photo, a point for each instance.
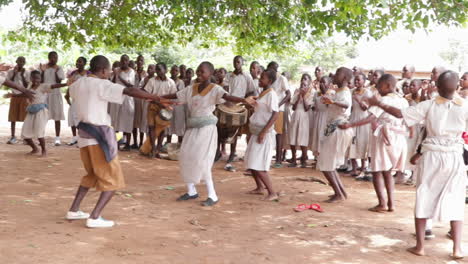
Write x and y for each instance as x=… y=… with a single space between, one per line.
x=364 y=77
x=449 y=76
x=52 y=53
x=388 y=78
x=306 y=74
x=99 y=63
x=347 y=73
x=271 y=74
x=162 y=64
x=35 y=72
x=222 y=69
x=209 y=65
x=238 y=57
x=381 y=72
x=83 y=59
x=273 y=64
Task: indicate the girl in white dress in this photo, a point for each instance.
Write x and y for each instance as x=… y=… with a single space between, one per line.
x=38 y=114
x=180 y=111
x=198 y=149
x=360 y=144
x=299 y=126
x=123 y=115
x=139 y=117
x=441 y=173
x=260 y=148
x=320 y=111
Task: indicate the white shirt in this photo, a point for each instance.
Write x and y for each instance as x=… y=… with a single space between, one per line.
x=128 y=76
x=40 y=96
x=280 y=86
x=18 y=79
x=240 y=84
x=159 y=87
x=342 y=96
x=201 y=105
x=266 y=105
x=49 y=77
x=91 y=96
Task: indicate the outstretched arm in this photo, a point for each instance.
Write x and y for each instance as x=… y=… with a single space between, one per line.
x=249 y=100
x=361 y=122
x=28 y=93
x=58 y=85
x=373 y=101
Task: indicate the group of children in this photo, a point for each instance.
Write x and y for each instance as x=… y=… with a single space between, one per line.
x=383 y=124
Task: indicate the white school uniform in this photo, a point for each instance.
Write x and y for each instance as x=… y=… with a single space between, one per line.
x=258 y=156
x=299 y=126
x=360 y=145
x=72 y=117
x=441 y=173
x=179 y=114
x=413 y=142
x=386 y=157
x=35 y=124
x=240 y=84
x=144 y=113
x=198 y=148
x=122 y=115
x=18 y=79
x=55 y=98
x=334 y=146
x=139 y=103
x=319 y=122
x=91 y=96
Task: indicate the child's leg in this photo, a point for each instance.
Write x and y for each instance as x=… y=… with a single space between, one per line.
x=104 y=198
x=329 y=175
x=263 y=175
x=80 y=194
x=379 y=186
x=233 y=150
x=420 y=224
x=57 y=128
x=259 y=189
x=180 y=138
x=354 y=165
x=43 y=146
x=456 y=230
x=363 y=165
x=390 y=186
x=168 y=138
x=152 y=136
x=13 y=129
x=160 y=141
x=340 y=184
x=73 y=129
x=293 y=154
x=32 y=145
x=142 y=136
x=304 y=156
x=135 y=137
x=279 y=148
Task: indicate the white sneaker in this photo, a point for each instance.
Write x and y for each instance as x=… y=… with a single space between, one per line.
x=76 y=215
x=57 y=141
x=99 y=223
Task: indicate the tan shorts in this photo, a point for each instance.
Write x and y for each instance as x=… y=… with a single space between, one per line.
x=105 y=176
x=279 y=124
x=17 y=112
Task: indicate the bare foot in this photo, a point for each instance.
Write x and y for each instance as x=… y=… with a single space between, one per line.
x=457 y=255
x=256 y=191
x=391 y=210
x=33 y=152
x=335 y=198
x=416 y=251
x=44 y=153
x=271 y=197
x=378 y=209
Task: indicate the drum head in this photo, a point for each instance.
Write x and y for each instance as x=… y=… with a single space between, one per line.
x=234 y=109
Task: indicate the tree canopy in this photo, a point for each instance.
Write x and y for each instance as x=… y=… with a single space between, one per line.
x=250 y=25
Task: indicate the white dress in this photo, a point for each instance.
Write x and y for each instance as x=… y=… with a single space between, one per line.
x=240 y=84
x=386 y=157
x=198 y=149
x=122 y=115
x=35 y=124
x=441 y=173
x=179 y=115
x=258 y=156
x=319 y=122
x=360 y=145
x=414 y=141
x=334 y=146
x=299 y=126
x=55 y=98
x=139 y=103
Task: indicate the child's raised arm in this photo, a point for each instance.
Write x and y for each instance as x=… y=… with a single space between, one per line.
x=57 y=85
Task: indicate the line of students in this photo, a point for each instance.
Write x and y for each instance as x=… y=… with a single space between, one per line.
x=357 y=121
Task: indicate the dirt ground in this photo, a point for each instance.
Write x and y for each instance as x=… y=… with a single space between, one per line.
x=152 y=227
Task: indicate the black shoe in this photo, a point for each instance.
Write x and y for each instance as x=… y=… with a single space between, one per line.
x=209 y=202
x=186 y=197
x=134 y=146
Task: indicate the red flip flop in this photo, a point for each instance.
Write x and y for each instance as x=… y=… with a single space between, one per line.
x=316 y=207
x=301 y=208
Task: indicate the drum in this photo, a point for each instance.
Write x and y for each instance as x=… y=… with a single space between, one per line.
x=232 y=115
x=165 y=114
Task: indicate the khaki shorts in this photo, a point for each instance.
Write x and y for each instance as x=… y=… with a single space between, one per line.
x=105 y=176
x=17 y=112
x=279 y=124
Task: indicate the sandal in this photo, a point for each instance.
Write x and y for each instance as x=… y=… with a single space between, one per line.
x=301 y=208
x=316 y=207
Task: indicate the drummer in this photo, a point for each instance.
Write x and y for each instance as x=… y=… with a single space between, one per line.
x=240 y=85
x=158 y=85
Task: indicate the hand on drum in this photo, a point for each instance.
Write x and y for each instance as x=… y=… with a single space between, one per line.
x=251 y=100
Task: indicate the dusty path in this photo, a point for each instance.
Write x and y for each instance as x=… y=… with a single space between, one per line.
x=35 y=193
